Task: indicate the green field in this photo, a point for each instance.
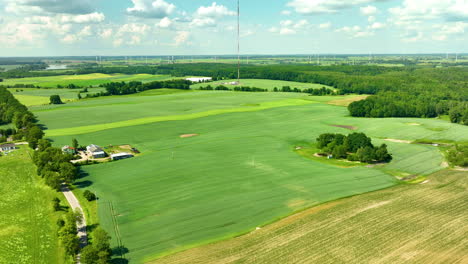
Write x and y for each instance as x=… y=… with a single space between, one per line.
x=85 y=79
x=265 y=84
x=28 y=230
x=423 y=223
x=238 y=173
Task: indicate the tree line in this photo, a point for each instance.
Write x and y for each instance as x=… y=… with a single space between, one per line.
x=12 y=111
x=354 y=147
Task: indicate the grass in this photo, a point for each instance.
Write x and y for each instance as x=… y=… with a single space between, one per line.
x=185 y=192
x=28 y=230
x=265 y=84
x=93 y=79
x=420 y=223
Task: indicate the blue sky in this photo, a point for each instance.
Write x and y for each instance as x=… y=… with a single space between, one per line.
x=183 y=27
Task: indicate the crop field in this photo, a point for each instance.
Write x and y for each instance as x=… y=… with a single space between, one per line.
x=28 y=230
x=265 y=84
x=85 y=79
x=237 y=171
x=421 y=223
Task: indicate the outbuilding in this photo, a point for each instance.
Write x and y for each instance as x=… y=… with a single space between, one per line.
x=119 y=156
x=7 y=147
x=68 y=150
x=96 y=151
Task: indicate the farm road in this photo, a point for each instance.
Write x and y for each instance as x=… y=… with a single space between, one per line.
x=75 y=205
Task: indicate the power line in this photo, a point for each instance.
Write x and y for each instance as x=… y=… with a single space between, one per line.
x=238 y=42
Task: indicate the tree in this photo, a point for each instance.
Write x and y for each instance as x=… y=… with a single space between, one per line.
x=339 y=152
x=56 y=204
x=382 y=155
x=79 y=96
x=89 y=195
x=365 y=154
x=89 y=255
x=75 y=143
x=358 y=140
x=68 y=172
x=55 y=99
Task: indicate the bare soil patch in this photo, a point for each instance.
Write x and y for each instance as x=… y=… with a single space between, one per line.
x=348 y=101
x=125 y=147
x=188 y=135
x=398 y=140
x=346 y=127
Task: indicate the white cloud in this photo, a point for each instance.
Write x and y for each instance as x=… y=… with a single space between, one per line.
x=301 y=24
x=414 y=10
x=439 y=37
x=287 y=31
x=106 y=33
x=70 y=39
x=286 y=12
x=273 y=29
x=133 y=28
x=247 y=33
x=117 y=42
x=377 y=25
x=151 y=9
x=181 y=38
x=286 y=23
x=412 y=36
x=355 y=31
x=369 y=10
x=88 y=18
x=85 y=32
x=214 y=11
x=309 y=7
x=325 y=25
x=371 y=19
x=203 y=22
x=135 y=40
x=165 y=23
x=49 y=6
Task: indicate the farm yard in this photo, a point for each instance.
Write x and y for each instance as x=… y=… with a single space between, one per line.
x=187 y=191
x=28 y=229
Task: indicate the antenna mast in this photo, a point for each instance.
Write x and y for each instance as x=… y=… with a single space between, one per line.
x=238 y=42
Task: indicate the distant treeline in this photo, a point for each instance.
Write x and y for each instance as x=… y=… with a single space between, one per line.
x=12 y=111
x=422 y=88
x=284 y=89
x=123 y=88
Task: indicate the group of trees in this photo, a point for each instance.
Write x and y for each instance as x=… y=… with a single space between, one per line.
x=55 y=99
x=68 y=232
x=236 y=88
x=12 y=111
x=354 y=147
x=53 y=165
x=458 y=155
x=98 y=250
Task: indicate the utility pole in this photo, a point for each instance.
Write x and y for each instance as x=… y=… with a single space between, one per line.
x=238 y=42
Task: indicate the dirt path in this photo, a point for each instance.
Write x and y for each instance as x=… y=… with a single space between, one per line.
x=75 y=205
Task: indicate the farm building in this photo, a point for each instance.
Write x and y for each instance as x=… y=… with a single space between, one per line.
x=96 y=151
x=69 y=150
x=7 y=147
x=120 y=156
x=199 y=79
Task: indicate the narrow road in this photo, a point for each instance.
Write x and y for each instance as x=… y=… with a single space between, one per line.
x=75 y=205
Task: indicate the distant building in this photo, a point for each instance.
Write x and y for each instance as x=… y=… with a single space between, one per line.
x=199 y=79
x=96 y=151
x=7 y=147
x=69 y=150
x=120 y=156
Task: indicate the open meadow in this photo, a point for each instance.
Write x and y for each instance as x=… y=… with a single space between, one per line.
x=28 y=229
x=206 y=156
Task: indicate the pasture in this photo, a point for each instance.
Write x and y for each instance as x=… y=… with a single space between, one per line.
x=85 y=80
x=264 y=84
x=28 y=229
x=239 y=173
x=421 y=223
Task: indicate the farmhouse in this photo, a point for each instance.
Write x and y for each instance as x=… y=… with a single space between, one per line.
x=96 y=151
x=69 y=150
x=120 y=156
x=7 y=147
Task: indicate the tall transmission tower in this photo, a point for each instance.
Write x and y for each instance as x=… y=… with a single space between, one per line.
x=238 y=42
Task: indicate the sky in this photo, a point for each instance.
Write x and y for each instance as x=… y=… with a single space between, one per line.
x=202 y=27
